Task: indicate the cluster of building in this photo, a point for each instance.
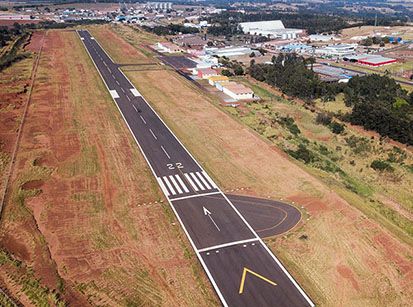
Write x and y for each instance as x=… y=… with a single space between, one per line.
x=232 y=89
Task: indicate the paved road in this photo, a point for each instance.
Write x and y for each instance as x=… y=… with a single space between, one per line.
x=241 y=268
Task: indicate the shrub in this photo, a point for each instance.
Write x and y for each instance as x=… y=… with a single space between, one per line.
x=336 y=127
x=323 y=118
x=303 y=154
x=226 y=72
x=380 y=165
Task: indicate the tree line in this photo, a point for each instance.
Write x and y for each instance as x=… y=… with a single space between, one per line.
x=171 y=29
x=290 y=73
x=379 y=103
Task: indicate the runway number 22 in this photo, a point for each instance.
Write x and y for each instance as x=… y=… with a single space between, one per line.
x=174 y=166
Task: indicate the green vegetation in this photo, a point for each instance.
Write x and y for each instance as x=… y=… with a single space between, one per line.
x=13 y=54
x=380 y=165
x=289 y=72
x=38 y=294
x=171 y=29
x=380 y=104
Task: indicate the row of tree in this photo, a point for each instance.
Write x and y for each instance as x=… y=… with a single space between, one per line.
x=378 y=102
x=289 y=72
x=171 y=29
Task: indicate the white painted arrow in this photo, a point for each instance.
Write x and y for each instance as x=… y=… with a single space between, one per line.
x=208 y=213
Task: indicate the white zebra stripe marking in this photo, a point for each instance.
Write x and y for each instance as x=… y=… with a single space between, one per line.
x=177 y=187
x=191 y=182
x=210 y=180
x=182 y=183
x=197 y=181
x=203 y=181
x=163 y=188
x=169 y=185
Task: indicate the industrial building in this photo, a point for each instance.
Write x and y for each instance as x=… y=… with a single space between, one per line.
x=271 y=28
x=168 y=47
x=337 y=50
x=227 y=51
x=237 y=91
x=214 y=80
x=370 y=59
x=159 y=5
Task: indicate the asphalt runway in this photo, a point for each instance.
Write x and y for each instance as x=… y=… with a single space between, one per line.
x=240 y=267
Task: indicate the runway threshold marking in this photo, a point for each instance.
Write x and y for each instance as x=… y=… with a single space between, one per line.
x=193 y=196
x=244 y=274
x=163 y=188
x=205 y=249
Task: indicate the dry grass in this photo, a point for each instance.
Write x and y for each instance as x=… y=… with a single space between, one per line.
x=404 y=31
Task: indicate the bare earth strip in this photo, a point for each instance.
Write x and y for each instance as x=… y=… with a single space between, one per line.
x=84 y=210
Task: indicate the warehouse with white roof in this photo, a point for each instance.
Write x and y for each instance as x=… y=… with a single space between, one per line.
x=272 y=28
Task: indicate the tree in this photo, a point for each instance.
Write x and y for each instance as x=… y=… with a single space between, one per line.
x=226 y=72
x=238 y=70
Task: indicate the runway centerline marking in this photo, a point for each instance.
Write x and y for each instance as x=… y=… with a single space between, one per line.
x=127 y=97
x=142 y=118
x=166 y=153
x=123 y=90
x=153 y=134
x=135 y=108
x=227 y=244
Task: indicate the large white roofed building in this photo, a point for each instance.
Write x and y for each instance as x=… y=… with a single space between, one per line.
x=272 y=28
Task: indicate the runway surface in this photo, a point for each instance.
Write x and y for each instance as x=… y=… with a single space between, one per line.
x=267 y=217
x=241 y=268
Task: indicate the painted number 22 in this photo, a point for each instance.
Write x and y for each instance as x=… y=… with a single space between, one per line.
x=174 y=166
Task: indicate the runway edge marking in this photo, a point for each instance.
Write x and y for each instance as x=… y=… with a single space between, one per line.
x=210 y=277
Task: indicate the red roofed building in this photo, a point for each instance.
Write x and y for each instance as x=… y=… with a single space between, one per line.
x=376 y=61
x=204 y=73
